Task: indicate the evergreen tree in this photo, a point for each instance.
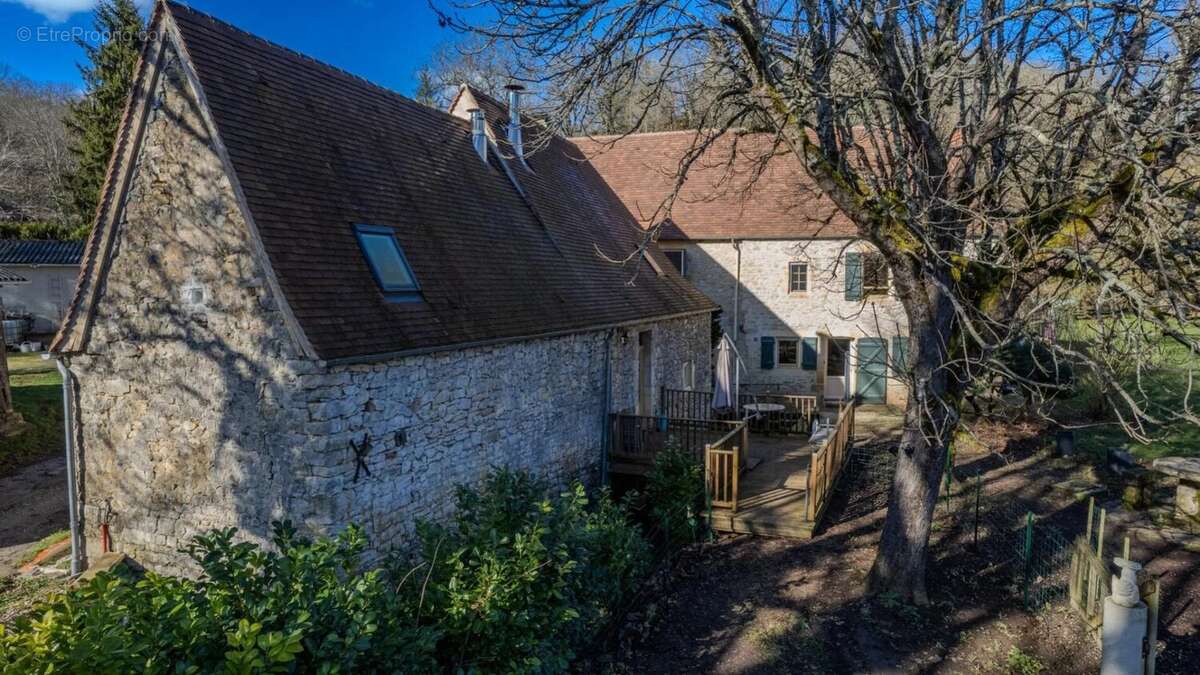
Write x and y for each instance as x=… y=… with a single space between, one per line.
x=93 y=119
x=427 y=89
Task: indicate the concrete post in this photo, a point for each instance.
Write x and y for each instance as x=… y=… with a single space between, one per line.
x=1124 y=626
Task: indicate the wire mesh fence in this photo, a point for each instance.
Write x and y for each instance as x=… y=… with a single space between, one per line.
x=1010 y=540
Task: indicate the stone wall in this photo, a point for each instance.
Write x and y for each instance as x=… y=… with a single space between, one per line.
x=195 y=411
x=767 y=308
x=189 y=375
x=437 y=421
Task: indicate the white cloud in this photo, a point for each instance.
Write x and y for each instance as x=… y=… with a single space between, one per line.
x=56 y=10
x=61 y=10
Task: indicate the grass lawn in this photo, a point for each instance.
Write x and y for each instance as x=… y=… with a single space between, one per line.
x=1161 y=389
x=37 y=395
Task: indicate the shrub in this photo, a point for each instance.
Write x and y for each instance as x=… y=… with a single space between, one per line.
x=518 y=581
x=515 y=583
x=1020 y=663
x=673 y=494
x=306 y=608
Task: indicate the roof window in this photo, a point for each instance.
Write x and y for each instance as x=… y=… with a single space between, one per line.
x=391 y=269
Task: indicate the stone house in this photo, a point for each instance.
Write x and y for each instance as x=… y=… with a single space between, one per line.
x=309 y=297
x=811 y=306
x=50 y=269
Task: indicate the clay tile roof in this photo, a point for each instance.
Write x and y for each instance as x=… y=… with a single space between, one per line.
x=317 y=150
x=743 y=186
x=40 y=252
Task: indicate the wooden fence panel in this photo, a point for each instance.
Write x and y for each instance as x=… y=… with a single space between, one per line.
x=828 y=464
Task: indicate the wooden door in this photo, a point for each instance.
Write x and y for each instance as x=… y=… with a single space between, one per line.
x=872 y=370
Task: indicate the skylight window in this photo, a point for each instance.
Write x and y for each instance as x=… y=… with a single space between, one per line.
x=391 y=270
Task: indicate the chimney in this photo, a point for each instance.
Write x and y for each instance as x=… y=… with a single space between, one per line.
x=514 y=121
x=478 y=133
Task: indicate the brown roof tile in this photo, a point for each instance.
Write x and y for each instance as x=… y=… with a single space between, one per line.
x=743 y=186
x=317 y=150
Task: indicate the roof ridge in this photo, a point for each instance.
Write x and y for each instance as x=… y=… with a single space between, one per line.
x=636 y=134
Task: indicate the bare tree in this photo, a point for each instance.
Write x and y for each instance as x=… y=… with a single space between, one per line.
x=33 y=149
x=1006 y=157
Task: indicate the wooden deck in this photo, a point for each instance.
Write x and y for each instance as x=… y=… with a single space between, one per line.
x=771 y=493
x=785 y=482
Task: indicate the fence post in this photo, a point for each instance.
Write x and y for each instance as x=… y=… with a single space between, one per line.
x=1091 y=511
x=978 y=490
x=1151 y=600
x=1028 y=556
x=949 y=473
x=737 y=458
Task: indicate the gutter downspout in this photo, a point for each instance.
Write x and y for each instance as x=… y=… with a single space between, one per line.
x=737 y=329
x=69 y=441
x=607 y=398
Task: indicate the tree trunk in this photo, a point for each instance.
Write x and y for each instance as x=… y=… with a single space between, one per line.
x=900 y=563
x=930 y=419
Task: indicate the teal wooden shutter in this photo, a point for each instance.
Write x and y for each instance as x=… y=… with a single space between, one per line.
x=900 y=354
x=854 y=276
x=808 y=355
x=768 y=353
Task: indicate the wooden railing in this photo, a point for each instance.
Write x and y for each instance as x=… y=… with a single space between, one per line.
x=638 y=438
x=795 y=418
x=827 y=465
x=722 y=463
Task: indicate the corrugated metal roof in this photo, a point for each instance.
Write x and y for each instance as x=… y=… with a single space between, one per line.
x=40 y=252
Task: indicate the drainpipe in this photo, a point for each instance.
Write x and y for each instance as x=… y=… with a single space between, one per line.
x=607 y=397
x=737 y=329
x=69 y=441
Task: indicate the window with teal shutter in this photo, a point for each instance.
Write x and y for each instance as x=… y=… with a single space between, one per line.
x=900 y=354
x=854 y=276
x=768 y=353
x=808 y=353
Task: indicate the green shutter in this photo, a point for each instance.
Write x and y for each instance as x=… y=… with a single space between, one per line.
x=768 y=353
x=808 y=355
x=854 y=276
x=900 y=354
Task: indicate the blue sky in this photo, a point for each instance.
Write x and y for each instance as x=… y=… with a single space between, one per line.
x=384 y=41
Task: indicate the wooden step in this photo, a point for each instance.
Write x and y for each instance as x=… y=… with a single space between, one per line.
x=749 y=522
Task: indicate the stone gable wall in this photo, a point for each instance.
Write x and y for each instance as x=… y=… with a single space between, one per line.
x=767 y=308
x=195 y=411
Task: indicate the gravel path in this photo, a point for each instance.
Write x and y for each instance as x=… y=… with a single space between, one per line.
x=33 y=504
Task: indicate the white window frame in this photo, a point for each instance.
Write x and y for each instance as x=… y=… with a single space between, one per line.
x=792 y=291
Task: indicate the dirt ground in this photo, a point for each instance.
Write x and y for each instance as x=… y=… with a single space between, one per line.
x=758 y=605
x=33 y=504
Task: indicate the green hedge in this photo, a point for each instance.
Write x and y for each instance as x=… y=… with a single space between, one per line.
x=516 y=582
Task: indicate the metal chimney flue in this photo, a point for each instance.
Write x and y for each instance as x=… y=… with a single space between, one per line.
x=479 y=133
x=514 y=121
